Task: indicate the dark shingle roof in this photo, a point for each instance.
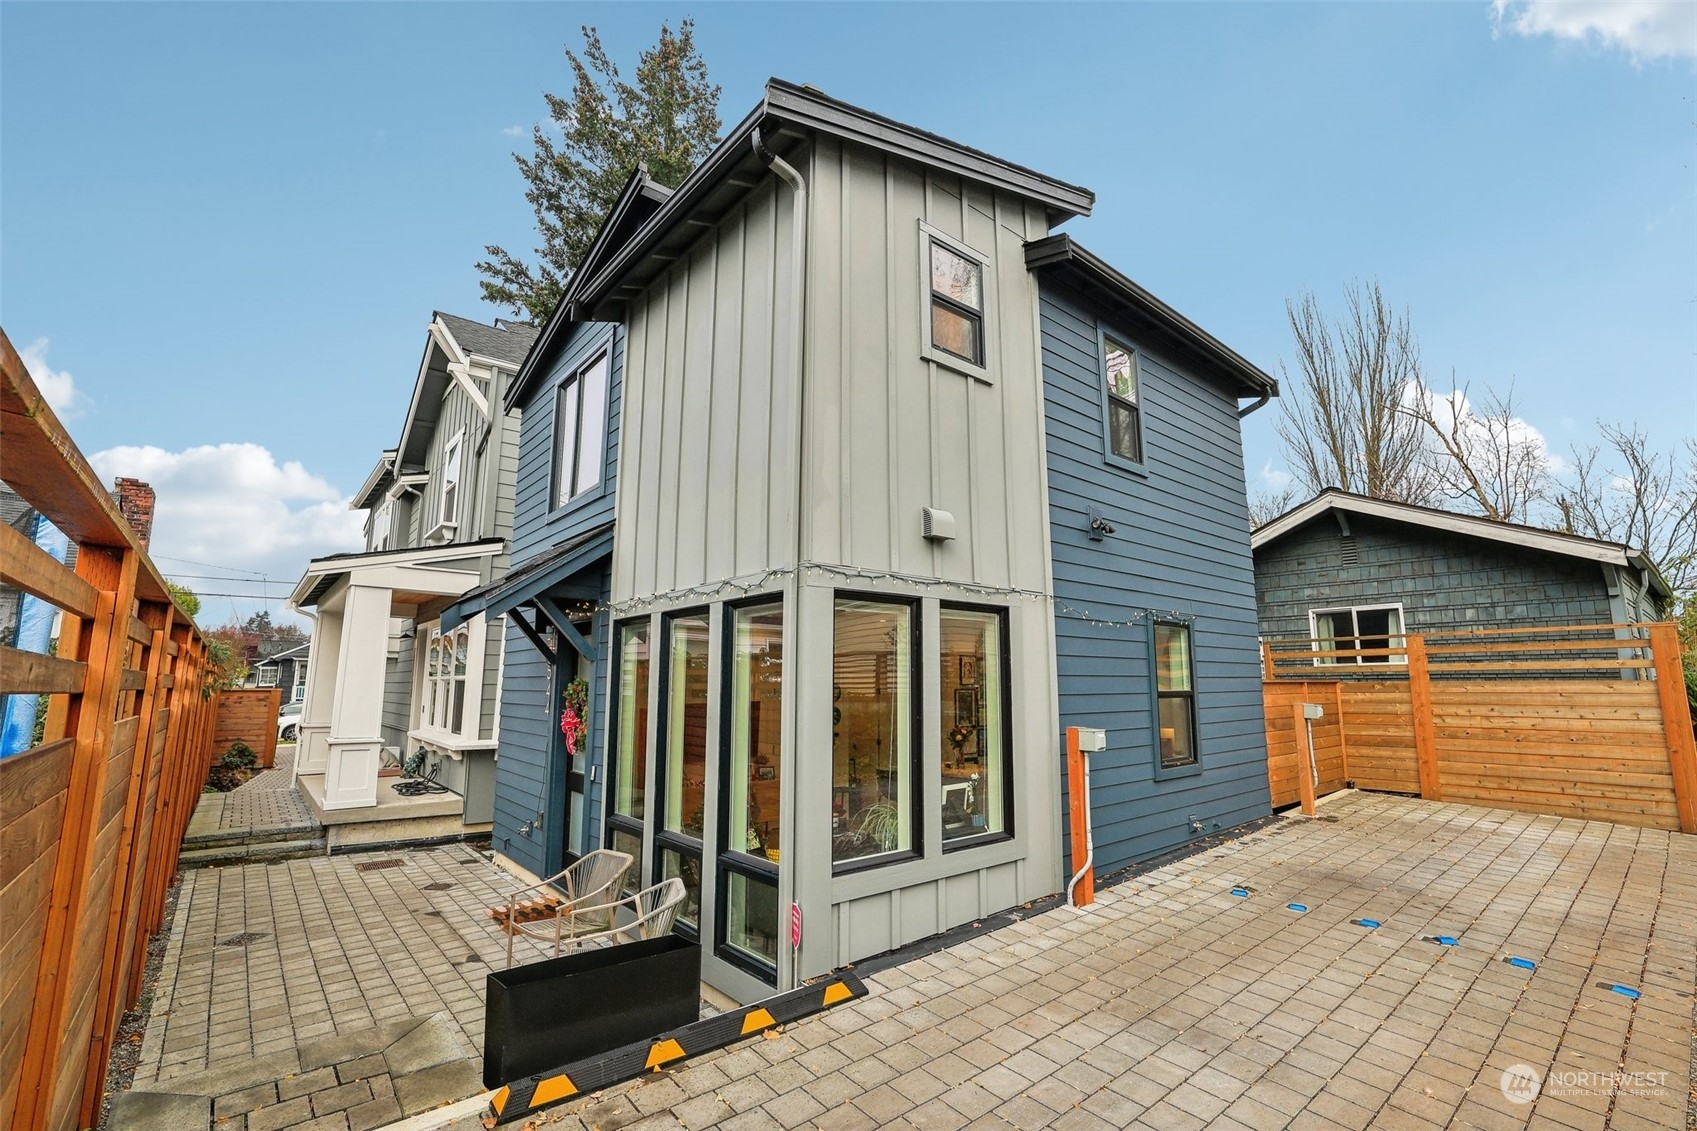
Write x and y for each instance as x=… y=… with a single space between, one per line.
x=505 y=341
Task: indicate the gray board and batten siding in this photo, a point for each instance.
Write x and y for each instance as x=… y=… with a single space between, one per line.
x=1180 y=546
x=1443 y=581
x=526 y=792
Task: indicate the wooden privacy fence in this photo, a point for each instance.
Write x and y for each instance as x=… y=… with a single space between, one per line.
x=91 y=818
x=246 y=715
x=1583 y=721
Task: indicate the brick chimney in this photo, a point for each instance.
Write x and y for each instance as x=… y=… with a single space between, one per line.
x=135 y=503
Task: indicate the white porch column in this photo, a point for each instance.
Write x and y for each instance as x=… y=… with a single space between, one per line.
x=356 y=713
x=322 y=670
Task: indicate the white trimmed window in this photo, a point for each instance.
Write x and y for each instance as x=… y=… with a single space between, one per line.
x=580 y=411
x=955 y=303
x=1361 y=634
x=442 y=705
x=451 y=478
x=381 y=525
x=267 y=674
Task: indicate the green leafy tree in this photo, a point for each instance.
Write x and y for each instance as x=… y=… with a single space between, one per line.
x=668 y=120
x=185 y=598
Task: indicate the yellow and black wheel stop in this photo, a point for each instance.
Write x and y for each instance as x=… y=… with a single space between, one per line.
x=544 y=1089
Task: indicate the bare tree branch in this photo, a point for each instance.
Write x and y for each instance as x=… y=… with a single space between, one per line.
x=1486 y=456
x=1627 y=493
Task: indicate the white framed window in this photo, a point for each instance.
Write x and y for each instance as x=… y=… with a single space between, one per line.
x=442 y=702
x=1360 y=634
x=382 y=524
x=451 y=478
x=299 y=692
x=956 y=295
x=267 y=674
x=580 y=412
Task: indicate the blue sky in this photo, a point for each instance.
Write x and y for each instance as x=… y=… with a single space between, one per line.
x=229 y=224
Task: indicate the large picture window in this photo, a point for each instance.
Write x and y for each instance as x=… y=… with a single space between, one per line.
x=579 y=419
x=1125 y=413
x=683 y=761
x=748 y=867
x=1367 y=634
x=873 y=786
x=1175 y=696
x=628 y=789
x=972 y=651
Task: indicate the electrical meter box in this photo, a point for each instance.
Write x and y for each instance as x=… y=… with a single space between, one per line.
x=1313 y=711
x=1092 y=738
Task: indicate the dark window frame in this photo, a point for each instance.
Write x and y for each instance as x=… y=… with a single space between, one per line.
x=1007 y=832
x=665 y=839
x=611 y=819
x=1139 y=465
x=728 y=859
x=916 y=729
x=556 y=502
x=1194 y=766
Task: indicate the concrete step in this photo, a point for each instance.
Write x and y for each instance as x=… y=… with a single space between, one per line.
x=228 y=837
x=203 y=857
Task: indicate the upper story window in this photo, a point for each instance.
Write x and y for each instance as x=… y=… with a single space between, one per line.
x=955 y=297
x=1365 y=634
x=451 y=479
x=382 y=524
x=580 y=412
x=1125 y=414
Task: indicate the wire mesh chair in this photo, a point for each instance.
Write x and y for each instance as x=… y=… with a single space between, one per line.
x=592 y=884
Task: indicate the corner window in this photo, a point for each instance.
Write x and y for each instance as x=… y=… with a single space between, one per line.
x=1125 y=419
x=1175 y=695
x=451 y=479
x=629 y=769
x=873 y=795
x=683 y=759
x=1367 y=634
x=580 y=411
x=973 y=678
x=748 y=862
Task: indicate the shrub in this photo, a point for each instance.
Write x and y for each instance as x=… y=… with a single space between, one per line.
x=240 y=756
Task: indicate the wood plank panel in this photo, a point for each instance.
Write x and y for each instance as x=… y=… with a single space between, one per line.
x=26 y=566
x=31 y=673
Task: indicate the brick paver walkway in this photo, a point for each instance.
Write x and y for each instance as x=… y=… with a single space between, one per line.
x=268 y=800
x=1171 y=1005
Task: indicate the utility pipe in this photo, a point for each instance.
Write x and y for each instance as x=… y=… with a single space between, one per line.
x=1261 y=403
x=798 y=311
x=1078 y=779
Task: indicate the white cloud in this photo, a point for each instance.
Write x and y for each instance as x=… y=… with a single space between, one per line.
x=234 y=506
x=1482 y=434
x=1644 y=29
x=57 y=385
x=1274 y=478
x=513 y=131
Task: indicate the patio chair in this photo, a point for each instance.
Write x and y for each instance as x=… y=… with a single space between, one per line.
x=652 y=911
x=592 y=884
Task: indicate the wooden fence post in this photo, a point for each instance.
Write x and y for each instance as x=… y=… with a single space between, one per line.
x=1304 y=759
x=1343 y=739
x=1425 y=732
x=1676 y=723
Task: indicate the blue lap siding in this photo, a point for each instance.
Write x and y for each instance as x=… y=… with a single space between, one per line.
x=1180 y=547
x=530 y=770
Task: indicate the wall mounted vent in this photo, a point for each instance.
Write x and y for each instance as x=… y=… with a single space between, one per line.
x=938 y=526
x=1350 y=551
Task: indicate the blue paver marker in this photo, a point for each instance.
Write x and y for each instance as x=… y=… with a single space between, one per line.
x=1444 y=940
x=1242 y=893
x=1299 y=908
x=1625 y=991
x=1370 y=924
x=1523 y=963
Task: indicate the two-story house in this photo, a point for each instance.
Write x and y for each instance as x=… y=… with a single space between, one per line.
x=386 y=683
x=791 y=504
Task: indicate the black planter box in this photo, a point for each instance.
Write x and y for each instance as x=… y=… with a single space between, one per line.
x=546 y=1014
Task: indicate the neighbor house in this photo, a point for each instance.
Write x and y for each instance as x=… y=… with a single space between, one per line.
x=1353 y=574
x=280 y=664
x=789 y=505
x=386 y=683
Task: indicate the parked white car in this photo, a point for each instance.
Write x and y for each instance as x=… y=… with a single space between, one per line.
x=289 y=722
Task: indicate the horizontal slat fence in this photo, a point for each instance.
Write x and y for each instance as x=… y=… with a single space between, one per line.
x=1585 y=721
x=246 y=715
x=1286 y=757
x=91 y=818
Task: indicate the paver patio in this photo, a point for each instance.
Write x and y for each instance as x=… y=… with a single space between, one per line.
x=1171 y=1004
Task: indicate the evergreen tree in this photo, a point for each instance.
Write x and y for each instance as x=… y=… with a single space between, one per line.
x=667 y=119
